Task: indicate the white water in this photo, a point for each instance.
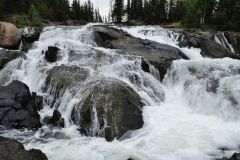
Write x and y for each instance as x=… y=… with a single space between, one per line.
x=192 y=122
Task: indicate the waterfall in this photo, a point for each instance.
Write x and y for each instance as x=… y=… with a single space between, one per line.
x=192 y=114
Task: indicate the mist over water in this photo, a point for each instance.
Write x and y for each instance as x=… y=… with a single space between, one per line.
x=192 y=114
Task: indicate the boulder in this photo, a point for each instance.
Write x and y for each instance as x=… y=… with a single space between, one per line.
x=154 y=52
x=10 y=36
x=233 y=38
x=29 y=36
x=56 y=120
x=61 y=78
x=13 y=150
x=7 y=56
x=18 y=107
x=51 y=55
x=205 y=41
x=110 y=109
x=235 y=156
x=145 y=66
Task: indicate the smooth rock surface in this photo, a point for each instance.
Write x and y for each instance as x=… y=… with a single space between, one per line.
x=10 y=36
x=159 y=55
x=117 y=107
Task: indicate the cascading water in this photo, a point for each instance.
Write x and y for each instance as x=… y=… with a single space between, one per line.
x=192 y=114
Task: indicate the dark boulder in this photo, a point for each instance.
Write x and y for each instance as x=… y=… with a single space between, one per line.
x=206 y=42
x=233 y=38
x=154 y=52
x=145 y=66
x=61 y=78
x=56 y=120
x=7 y=56
x=13 y=150
x=235 y=156
x=18 y=108
x=114 y=105
x=51 y=55
x=29 y=36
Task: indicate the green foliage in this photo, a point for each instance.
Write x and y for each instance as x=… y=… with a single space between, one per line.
x=34 y=11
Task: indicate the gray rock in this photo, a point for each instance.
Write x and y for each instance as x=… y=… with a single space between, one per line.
x=13 y=150
x=7 y=56
x=205 y=41
x=156 y=53
x=18 y=108
x=61 y=78
x=234 y=39
x=114 y=105
x=51 y=55
x=29 y=36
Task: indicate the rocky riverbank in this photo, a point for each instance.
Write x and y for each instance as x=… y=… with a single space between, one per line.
x=111 y=105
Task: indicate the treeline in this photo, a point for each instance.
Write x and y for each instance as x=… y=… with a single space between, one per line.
x=53 y=10
x=222 y=14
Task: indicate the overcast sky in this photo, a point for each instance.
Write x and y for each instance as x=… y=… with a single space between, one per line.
x=103 y=5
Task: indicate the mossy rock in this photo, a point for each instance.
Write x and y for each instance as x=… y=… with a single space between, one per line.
x=115 y=106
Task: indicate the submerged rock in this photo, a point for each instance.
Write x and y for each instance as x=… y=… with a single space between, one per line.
x=7 y=56
x=110 y=109
x=13 y=150
x=18 y=108
x=51 y=55
x=159 y=55
x=10 y=36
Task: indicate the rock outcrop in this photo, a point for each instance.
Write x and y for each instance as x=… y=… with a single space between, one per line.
x=234 y=39
x=61 y=78
x=205 y=41
x=10 y=36
x=18 y=107
x=110 y=109
x=7 y=56
x=159 y=55
x=29 y=36
x=13 y=150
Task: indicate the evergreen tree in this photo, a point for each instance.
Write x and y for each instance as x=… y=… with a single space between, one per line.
x=118 y=10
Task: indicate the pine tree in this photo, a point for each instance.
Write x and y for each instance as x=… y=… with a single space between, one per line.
x=118 y=11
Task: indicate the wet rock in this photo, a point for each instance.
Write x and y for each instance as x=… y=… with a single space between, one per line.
x=7 y=56
x=13 y=150
x=145 y=66
x=57 y=119
x=51 y=55
x=115 y=107
x=235 y=156
x=234 y=39
x=154 y=52
x=29 y=36
x=61 y=78
x=18 y=108
x=10 y=36
x=205 y=41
